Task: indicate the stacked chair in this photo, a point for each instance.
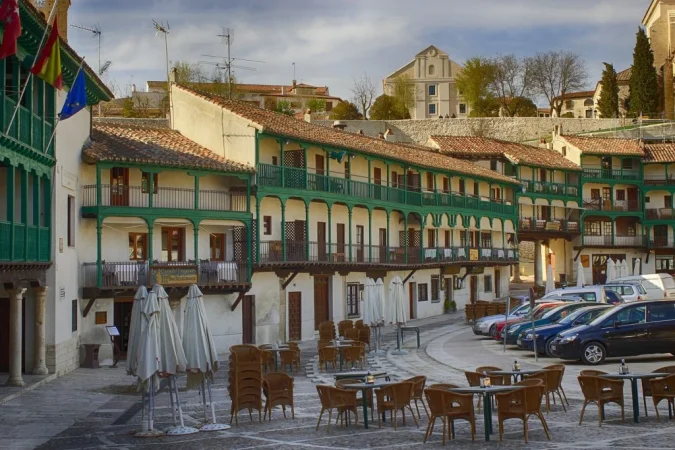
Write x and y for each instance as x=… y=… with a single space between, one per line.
x=327 y=330
x=245 y=380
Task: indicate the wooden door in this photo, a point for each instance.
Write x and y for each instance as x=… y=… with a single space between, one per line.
x=4 y=335
x=498 y=283
x=119 y=186
x=383 y=245
x=377 y=181
x=248 y=319
x=474 y=289
x=448 y=289
x=122 y=320
x=632 y=197
x=294 y=316
x=340 y=239
x=321 y=307
x=360 y=245
x=412 y=290
x=173 y=244
x=319 y=164
x=321 y=241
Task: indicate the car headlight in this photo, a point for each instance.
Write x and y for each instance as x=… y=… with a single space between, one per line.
x=569 y=338
x=529 y=336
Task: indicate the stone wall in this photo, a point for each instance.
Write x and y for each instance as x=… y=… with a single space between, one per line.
x=517 y=129
x=64 y=357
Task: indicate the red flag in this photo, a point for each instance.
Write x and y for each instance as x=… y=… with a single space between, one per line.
x=9 y=16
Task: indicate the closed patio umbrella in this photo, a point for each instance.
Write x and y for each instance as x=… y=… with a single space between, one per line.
x=550 y=285
x=397 y=312
x=147 y=358
x=381 y=299
x=135 y=329
x=368 y=291
x=611 y=271
x=625 y=271
x=581 y=278
x=636 y=267
x=200 y=350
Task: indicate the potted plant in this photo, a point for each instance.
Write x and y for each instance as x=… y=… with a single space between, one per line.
x=450 y=306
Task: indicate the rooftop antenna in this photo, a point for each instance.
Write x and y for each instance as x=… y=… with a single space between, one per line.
x=294 y=71
x=227 y=37
x=164 y=29
x=96 y=30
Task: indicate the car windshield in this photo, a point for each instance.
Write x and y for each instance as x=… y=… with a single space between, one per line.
x=583 y=314
x=555 y=312
x=540 y=311
x=668 y=282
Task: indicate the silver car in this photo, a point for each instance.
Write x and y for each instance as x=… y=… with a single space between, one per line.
x=629 y=292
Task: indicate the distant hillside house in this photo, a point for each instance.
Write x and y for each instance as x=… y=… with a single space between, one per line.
x=579 y=104
x=434 y=74
x=266 y=95
x=623 y=79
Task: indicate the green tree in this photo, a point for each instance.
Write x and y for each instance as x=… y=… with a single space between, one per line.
x=644 y=87
x=608 y=104
x=523 y=107
x=387 y=107
x=404 y=92
x=316 y=104
x=474 y=82
x=345 y=111
x=284 y=107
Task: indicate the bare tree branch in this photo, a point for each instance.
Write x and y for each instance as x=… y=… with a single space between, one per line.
x=555 y=73
x=512 y=79
x=364 y=93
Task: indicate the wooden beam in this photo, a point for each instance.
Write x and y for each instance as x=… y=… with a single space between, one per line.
x=647 y=261
x=289 y=279
x=236 y=303
x=409 y=275
x=88 y=307
x=578 y=253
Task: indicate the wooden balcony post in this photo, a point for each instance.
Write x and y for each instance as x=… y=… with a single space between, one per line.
x=330 y=232
x=257 y=228
x=283 y=229
x=24 y=210
x=307 y=206
x=99 y=236
x=11 y=173
x=386 y=244
x=281 y=160
x=151 y=189
x=98 y=186
x=405 y=235
x=249 y=237
x=151 y=230
x=370 y=235
x=195 y=230
x=423 y=224
x=349 y=213
x=196 y=191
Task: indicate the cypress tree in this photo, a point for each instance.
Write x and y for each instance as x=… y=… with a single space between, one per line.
x=608 y=104
x=644 y=88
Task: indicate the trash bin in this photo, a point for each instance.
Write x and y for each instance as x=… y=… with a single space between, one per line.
x=91 y=356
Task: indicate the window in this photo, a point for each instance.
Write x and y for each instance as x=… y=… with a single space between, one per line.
x=476 y=190
x=496 y=194
x=353 y=299
x=267 y=225
x=647 y=199
x=631 y=315
x=435 y=288
x=73 y=315
x=564 y=150
x=430 y=181
x=394 y=179
x=607 y=228
x=432 y=108
x=431 y=238
x=446 y=184
x=275 y=161
x=329 y=106
x=173 y=244
x=447 y=238
x=569 y=104
x=71 y=221
x=626 y=163
x=664 y=311
x=422 y=292
x=432 y=71
x=462 y=238
x=486 y=240
x=145 y=181
x=462 y=108
x=10 y=82
x=217 y=246
x=589 y=113
x=493 y=164
x=487 y=283
x=138 y=246
x=462 y=187
x=595 y=193
x=620 y=194
x=432 y=89
x=592 y=229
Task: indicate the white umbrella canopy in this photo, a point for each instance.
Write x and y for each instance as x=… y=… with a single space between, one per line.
x=611 y=271
x=135 y=329
x=581 y=279
x=381 y=298
x=550 y=285
x=172 y=357
x=397 y=302
x=626 y=268
x=148 y=354
x=368 y=301
x=636 y=267
x=198 y=343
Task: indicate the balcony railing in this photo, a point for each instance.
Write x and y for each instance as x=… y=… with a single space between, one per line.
x=27 y=127
x=547 y=225
x=659 y=180
x=611 y=174
x=552 y=189
x=661 y=242
x=338 y=253
x=299 y=178
x=599 y=204
x=25 y=244
x=660 y=214
x=164 y=197
x=618 y=241
x=142 y=273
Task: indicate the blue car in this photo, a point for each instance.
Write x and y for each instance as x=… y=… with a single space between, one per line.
x=516 y=330
x=546 y=334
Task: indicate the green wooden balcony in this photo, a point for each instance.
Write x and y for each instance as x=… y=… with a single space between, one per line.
x=602 y=174
x=29 y=243
x=550 y=189
x=27 y=127
x=298 y=178
x=614 y=241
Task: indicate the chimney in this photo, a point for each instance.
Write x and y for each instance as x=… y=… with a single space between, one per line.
x=133 y=87
x=389 y=135
x=361 y=131
x=641 y=143
x=294 y=83
x=61 y=14
x=283 y=90
x=172 y=75
x=308 y=115
x=339 y=125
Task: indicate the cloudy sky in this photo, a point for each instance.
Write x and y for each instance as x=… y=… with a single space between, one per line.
x=332 y=41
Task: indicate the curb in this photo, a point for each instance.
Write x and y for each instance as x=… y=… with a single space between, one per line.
x=29 y=388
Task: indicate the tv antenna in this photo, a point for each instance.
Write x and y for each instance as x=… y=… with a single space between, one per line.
x=96 y=31
x=164 y=29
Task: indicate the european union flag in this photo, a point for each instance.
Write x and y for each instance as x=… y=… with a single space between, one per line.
x=76 y=98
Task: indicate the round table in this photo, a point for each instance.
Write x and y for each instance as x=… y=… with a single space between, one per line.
x=487 y=393
x=514 y=373
x=339 y=348
x=633 y=377
x=363 y=387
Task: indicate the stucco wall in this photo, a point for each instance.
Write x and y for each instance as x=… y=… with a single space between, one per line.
x=516 y=129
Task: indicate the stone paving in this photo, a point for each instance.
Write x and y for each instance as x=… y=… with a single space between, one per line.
x=101 y=409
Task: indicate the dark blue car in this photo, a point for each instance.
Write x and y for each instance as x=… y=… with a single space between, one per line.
x=546 y=333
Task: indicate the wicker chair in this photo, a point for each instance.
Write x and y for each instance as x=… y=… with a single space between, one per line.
x=352 y=334
x=450 y=406
x=369 y=394
x=506 y=379
x=394 y=398
x=290 y=357
x=278 y=391
x=521 y=404
x=600 y=391
x=418 y=393
x=592 y=373
x=530 y=382
x=663 y=389
x=647 y=388
x=559 y=378
x=358 y=323
x=364 y=335
x=442 y=386
x=324 y=342
x=327 y=330
x=544 y=376
x=342 y=400
x=344 y=325
x=327 y=355
x=473 y=378
x=352 y=354
x=268 y=360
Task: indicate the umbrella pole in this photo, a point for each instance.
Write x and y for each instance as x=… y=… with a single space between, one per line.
x=206 y=420
x=181 y=429
x=213 y=426
x=144 y=424
x=151 y=405
x=173 y=409
x=213 y=408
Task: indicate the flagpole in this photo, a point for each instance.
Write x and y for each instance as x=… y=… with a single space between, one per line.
x=58 y=116
x=23 y=89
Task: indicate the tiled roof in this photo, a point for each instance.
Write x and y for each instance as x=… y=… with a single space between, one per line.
x=581 y=94
x=605 y=146
x=286 y=126
x=624 y=75
x=476 y=147
x=246 y=87
x=659 y=152
x=157 y=146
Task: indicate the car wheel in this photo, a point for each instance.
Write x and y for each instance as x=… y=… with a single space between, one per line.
x=493 y=331
x=593 y=354
x=547 y=347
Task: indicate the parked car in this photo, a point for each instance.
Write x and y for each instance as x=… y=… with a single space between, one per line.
x=537 y=312
x=630 y=291
x=625 y=330
x=487 y=325
x=587 y=293
x=514 y=331
x=659 y=286
x=545 y=334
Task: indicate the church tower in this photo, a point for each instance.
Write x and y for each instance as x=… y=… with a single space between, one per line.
x=45 y=7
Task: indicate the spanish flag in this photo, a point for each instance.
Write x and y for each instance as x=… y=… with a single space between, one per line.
x=48 y=64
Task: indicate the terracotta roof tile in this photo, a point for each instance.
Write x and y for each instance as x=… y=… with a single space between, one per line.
x=158 y=146
x=286 y=126
x=659 y=152
x=472 y=147
x=605 y=146
x=624 y=75
x=581 y=94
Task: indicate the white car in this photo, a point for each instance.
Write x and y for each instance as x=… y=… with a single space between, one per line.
x=659 y=286
x=630 y=291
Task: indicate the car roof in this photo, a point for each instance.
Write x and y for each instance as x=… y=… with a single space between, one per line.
x=646 y=302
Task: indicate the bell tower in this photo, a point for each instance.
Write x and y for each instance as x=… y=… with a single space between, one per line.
x=45 y=7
